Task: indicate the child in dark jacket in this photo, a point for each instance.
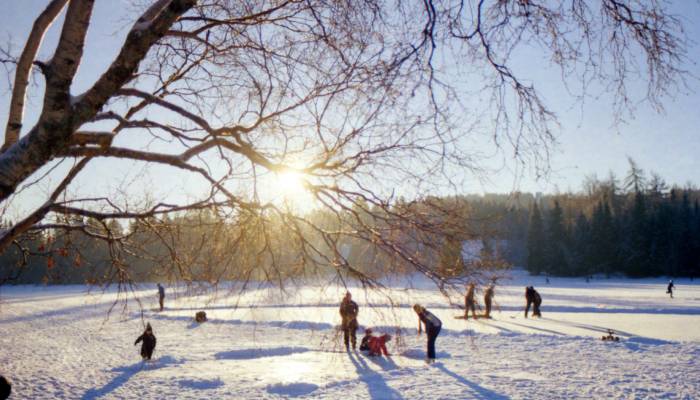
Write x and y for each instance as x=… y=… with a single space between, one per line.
x=364 y=345
x=149 y=342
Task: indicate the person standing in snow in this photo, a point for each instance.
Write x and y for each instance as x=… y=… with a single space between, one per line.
x=469 y=302
x=5 y=388
x=488 y=299
x=377 y=345
x=348 y=315
x=149 y=342
x=532 y=297
x=433 y=325
x=669 y=289
x=161 y=296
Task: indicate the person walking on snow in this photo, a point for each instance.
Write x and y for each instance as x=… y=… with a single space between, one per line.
x=161 y=295
x=532 y=297
x=488 y=299
x=433 y=325
x=469 y=303
x=348 y=315
x=669 y=289
x=149 y=342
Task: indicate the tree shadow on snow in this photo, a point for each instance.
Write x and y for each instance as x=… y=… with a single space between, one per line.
x=378 y=389
x=479 y=392
x=126 y=373
x=250 y=354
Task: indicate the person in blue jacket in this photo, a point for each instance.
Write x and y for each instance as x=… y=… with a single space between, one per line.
x=432 y=328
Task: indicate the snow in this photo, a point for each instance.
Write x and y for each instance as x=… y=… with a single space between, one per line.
x=62 y=342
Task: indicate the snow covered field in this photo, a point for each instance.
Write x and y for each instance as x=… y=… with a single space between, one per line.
x=58 y=343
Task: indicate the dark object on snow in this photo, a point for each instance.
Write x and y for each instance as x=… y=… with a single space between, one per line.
x=669 y=289
x=5 y=388
x=469 y=302
x=364 y=345
x=348 y=314
x=488 y=299
x=610 y=337
x=532 y=297
x=433 y=325
x=149 y=342
x=161 y=296
x=377 y=345
x=200 y=317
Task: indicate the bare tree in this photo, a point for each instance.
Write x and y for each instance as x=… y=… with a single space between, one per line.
x=354 y=97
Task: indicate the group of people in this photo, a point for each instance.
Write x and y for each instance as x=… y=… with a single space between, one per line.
x=470 y=302
x=376 y=345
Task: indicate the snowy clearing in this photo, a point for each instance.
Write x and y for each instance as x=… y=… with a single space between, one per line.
x=57 y=343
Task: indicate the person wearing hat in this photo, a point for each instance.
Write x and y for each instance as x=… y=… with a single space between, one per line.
x=348 y=315
x=433 y=325
x=149 y=342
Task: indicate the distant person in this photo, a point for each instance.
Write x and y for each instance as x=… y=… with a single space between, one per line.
x=161 y=296
x=669 y=288
x=348 y=315
x=532 y=298
x=5 y=388
x=433 y=325
x=546 y=280
x=488 y=299
x=377 y=345
x=364 y=345
x=469 y=303
x=149 y=342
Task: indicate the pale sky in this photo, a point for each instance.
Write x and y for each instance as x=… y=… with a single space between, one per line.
x=589 y=144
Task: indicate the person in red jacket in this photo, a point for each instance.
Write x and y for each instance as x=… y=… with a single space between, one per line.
x=377 y=345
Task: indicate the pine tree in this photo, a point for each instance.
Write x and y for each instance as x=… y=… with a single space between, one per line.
x=535 y=242
x=556 y=243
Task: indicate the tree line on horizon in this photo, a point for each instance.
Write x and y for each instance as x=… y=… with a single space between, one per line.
x=634 y=226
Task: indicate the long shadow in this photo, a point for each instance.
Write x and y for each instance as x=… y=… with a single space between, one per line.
x=535 y=328
x=589 y=327
x=385 y=363
x=250 y=354
x=301 y=325
x=479 y=392
x=378 y=389
x=126 y=374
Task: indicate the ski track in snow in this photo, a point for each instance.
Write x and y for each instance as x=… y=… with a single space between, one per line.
x=61 y=343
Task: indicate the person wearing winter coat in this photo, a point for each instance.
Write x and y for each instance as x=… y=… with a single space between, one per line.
x=488 y=298
x=377 y=345
x=364 y=345
x=149 y=342
x=532 y=297
x=5 y=388
x=161 y=296
x=348 y=315
x=669 y=288
x=469 y=302
x=433 y=325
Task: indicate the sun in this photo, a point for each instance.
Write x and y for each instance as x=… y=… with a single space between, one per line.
x=290 y=187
